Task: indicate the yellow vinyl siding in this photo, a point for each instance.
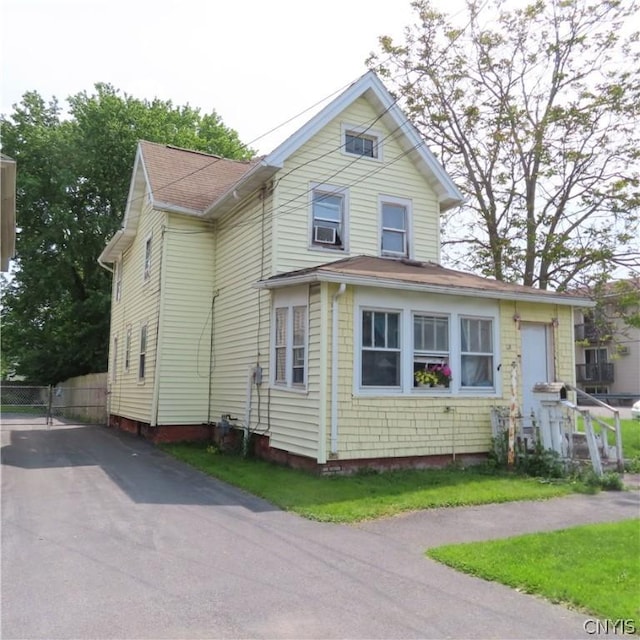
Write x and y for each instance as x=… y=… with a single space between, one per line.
x=185 y=333
x=240 y=311
x=139 y=305
x=295 y=415
x=371 y=426
x=321 y=161
x=242 y=319
x=563 y=347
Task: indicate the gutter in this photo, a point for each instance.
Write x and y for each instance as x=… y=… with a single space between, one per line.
x=388 y=283
x=104 y=266
x=334 y=369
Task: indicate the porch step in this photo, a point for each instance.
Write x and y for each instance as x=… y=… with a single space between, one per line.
x=580 y=446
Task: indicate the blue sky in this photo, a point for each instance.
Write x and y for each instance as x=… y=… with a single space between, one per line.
x=256 y=63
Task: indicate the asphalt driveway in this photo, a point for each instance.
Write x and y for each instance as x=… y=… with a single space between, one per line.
x=104 y=536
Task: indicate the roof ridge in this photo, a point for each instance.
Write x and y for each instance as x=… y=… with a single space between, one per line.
x=195 y=152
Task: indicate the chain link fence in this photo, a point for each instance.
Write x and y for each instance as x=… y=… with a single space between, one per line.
x=83 y=399
x=28 y=402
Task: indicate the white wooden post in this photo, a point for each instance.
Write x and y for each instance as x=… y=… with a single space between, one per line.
x=593 y=445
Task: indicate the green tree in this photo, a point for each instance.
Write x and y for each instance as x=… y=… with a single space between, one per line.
x=533 y=109
x=73 y=178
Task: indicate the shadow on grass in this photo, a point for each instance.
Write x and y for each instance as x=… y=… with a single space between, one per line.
x=367 y=494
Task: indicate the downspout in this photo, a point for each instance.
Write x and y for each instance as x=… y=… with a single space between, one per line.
x=211 y=350
x=334 y=369
x=155 y=400
x=247 y=412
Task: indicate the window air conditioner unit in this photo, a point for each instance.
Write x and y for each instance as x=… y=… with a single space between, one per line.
x=324 y=235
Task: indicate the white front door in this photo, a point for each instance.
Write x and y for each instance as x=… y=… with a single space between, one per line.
x=536 y=362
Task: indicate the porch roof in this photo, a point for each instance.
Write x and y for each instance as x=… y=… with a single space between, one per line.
x=411 y=275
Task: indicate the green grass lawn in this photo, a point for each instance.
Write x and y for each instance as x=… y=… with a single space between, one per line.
x=630 y=435
x=23 y=408
x=366 y=495
x=595 y=568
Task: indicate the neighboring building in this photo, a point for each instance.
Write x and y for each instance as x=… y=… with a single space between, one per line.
x=296 y=295
x=7 y=211
x=607 y=348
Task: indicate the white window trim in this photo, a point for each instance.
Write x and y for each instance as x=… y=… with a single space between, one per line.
x=334 y=190
x=118 y=279
x=298 y=297
x=146 y=269
x=378 y=389
x=127 y=350
x=143 y=327
x=436 y=356
x=469 y=316
x=114 y=363
x=402 y=202
x=360 y=130
x=369 y=300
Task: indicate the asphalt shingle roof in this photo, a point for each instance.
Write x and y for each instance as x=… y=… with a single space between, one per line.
x=417 y=273
x=189 y=179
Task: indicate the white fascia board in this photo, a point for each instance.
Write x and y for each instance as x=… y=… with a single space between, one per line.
x=172 y=208
x=385 y=283
x=253 y=179
x=138 y=165
x=447 y=191
x=321 y=119
x=117 y=244
x=449 y=195
x=138 y=187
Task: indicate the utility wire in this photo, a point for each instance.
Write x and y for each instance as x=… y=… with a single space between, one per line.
x=246 y=146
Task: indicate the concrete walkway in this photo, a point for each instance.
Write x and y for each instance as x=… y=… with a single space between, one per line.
x=424 y=529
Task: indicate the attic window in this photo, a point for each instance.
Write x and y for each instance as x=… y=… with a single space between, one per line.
x=360 y=144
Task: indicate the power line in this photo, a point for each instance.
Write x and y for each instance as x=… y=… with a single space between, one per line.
x=248 y=144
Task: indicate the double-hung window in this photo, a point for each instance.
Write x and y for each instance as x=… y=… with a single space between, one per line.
x=431 y=346
x=423 y=344
x=381 y=362
x=127 y=350
x=290 y=343
x=476 y=352
x=142 y=362
x=118 y=267
x=394 y=227
x=147 y=259
x=328 y=217
x=114 y=370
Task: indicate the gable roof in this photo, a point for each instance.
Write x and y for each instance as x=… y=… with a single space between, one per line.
x=204 y=185
x=371 y=87
x=187 y=181
x=409 y=138
x=176 y=180
x=411 y=275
